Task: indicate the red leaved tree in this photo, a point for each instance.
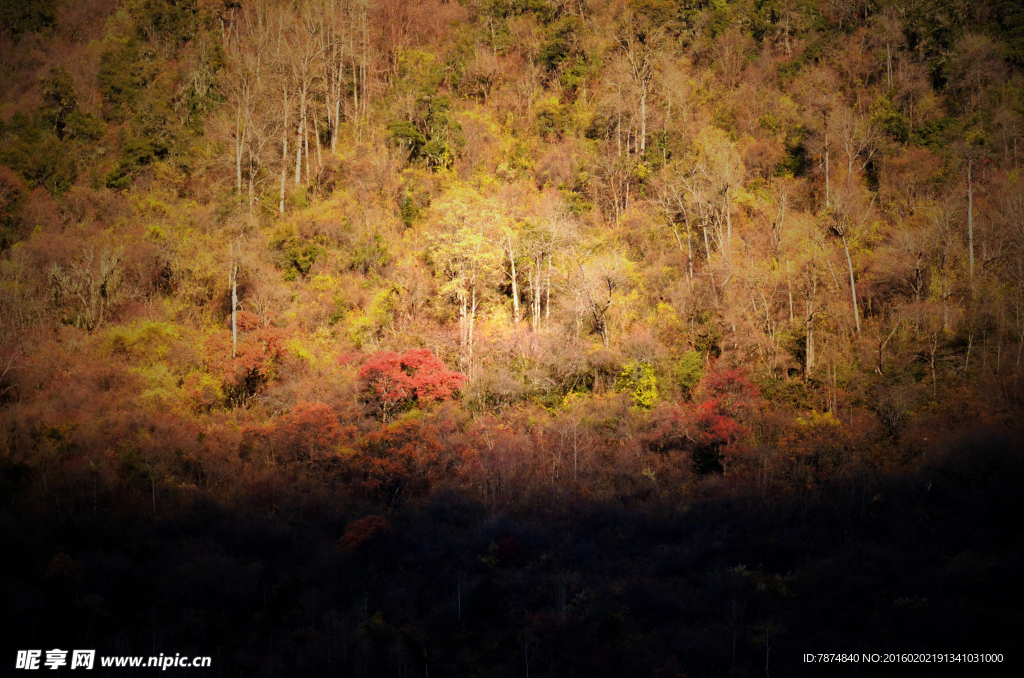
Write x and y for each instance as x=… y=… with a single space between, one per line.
x=711 y=431
x=390 y=382
x=727 y=399
x=730 y=393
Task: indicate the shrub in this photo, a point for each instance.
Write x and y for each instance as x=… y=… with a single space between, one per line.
x=637 y=378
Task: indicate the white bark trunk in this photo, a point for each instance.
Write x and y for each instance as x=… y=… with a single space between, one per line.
x=970 y=218
x=853 y=284
x=284 y=151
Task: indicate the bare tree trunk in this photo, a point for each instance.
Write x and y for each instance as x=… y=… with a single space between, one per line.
x=234 y=307
x=539 y=266
x=643 y=122
x=888 y=64
x=298 y=138
x=970 y=217
x=679 y=241
x=828 y=191
x=472 y=319
x=853 y=284
x=935 y=380
x=547 y=304
x=689 y=244
x=364 y=69
x=810 y=345
x=239 y=145
x=789 y=282
x=337 y=107
x=515 y=284
x=319 y=153
x=463 y=323
x=618 y=132
x=728 y=217
x=284 y=151
x=355 y=97
x=252 y=187
x=305 y=143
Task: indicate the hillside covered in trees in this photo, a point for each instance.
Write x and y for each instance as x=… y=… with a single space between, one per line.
x=512 y=337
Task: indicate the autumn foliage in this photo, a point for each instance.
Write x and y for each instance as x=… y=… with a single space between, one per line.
x=255 y=358
x=364 y=530
x=686 y=270
x=310 y=432
x=391 y=381
x=711 y=431
x=400 y=461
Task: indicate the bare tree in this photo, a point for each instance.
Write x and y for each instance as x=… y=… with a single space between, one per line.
x=641 y=46
x=598 y=277
x=849 y=229
x=671 y=189
x=92 y=285
x=857 y=137
x=812 y=287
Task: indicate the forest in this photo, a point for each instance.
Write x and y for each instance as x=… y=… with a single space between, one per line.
x=513 y=337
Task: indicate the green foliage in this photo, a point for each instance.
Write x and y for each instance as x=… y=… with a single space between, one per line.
x=795 y=162
x=368 y=324
x=932 y=27
x=721 y=17
x=144 y=342
x=688 y=371
x=707 y=339
x=12 y=194
x=1011 y=20
x=888 y=118
x=433 y=137
x=296 y=254
x=657 y=12
x=419 y=72
x=166 y=100
x=770 y=122
x=84 y=126
x=637 y=378
x=27 y=16
x=370 y=254
x=171 y=21
x=937 y=134
x=445 y=137
x=136 y=153
x=561 y=43
x=575 y=74
x=786 y=393
x=59 y=99
x=124 y=73
x=795 y=343
x=42 y=160
x=412 y=201
x=551 y=117
x=43 y=148
x=405 y=134
x=134 y=89
x=811 y=54
x=505 y=9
